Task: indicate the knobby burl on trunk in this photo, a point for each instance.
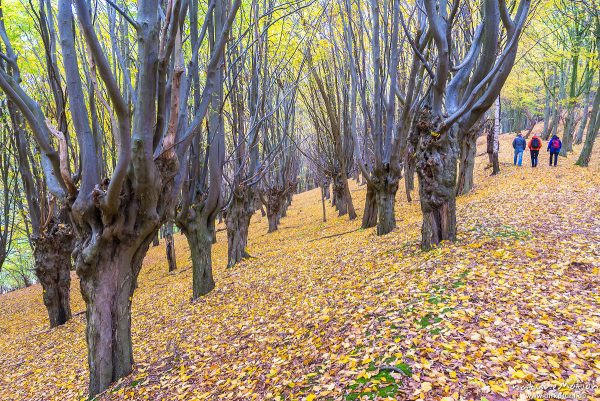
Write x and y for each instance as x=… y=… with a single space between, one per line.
x=436 y=162
x=237 y=220
x=274 y=202
x=384 y=181
x=52 y=255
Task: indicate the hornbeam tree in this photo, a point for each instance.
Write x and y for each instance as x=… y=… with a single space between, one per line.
x=388 y=110
x=454 y=104
x=278 y=183
x=264 y=67
x=51 y=235
x=201 y=194
x=116 y=218
x=329 y=110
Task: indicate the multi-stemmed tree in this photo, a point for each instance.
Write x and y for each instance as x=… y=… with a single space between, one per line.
x=454 y=103
x=50 y=231
x=115 y=218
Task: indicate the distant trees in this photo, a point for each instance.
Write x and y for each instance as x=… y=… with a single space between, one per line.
x=564 y=56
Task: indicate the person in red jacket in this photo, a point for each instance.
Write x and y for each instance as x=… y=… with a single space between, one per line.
x=535 y=144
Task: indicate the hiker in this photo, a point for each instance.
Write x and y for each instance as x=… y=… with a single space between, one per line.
x=535 y=144
x=554 y=146
x=519 y=145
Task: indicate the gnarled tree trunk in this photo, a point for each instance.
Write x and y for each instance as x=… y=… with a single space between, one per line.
x=436 y=166
x=386 y=218
x=468 y=150
x=273 y=222
x=199 y=234
x=385 y=184
x=274 y=202
x=170 y=246
x=339 y=195
x=108 y=267
x=238 y=221
x=52 y=255
x=370 y=213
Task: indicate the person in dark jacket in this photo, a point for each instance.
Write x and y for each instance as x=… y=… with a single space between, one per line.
x=535 y=144
x=519 y=145
x=554 y=146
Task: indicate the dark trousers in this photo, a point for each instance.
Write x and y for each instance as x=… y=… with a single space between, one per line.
x=534 y=157
x=555 y=156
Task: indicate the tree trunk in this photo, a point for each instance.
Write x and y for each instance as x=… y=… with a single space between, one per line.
x=584 y=119
x=370 y=214
x=237 y=221
x=468 y=150
x=496 y=138
x=546 y=113
x=339 y=195
x=52 y=255
x=273 y=221
x=108 y=272
x=386 y=219
x=439 y=222
x=436 y=166
x=326 y=189
x=592 y=132
x=274 y=202
x=323 y=204
x=156 y=240
x=567 y=142
x=170 y=246
x=199 y=237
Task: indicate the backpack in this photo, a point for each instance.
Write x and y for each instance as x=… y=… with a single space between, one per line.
x=555 y=145
x=535 y=144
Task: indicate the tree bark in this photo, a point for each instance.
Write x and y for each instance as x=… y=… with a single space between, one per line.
x=274 y=203
x=436 y=167
x=52 y=255
x=592 y=132
x=323 y=204
x=108 y=269
x=495 y=137
x=370 y=214
x=199 y=235
x=386 y=218
x=237 y=221
x=273 y=221
x=468 y=150
x=339 y=195
x=584 y=119
x=170 y=246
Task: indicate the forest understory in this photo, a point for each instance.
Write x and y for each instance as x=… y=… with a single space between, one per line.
x=328 y=311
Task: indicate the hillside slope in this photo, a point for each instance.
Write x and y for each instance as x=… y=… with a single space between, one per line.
x=328 y=311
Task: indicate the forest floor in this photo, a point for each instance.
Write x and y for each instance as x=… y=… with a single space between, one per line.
x=327 y=311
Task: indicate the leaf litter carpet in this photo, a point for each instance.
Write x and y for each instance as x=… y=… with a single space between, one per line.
x=510 y=311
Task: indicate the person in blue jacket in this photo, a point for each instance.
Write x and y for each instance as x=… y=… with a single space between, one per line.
x=519 y=145
x=554 y=146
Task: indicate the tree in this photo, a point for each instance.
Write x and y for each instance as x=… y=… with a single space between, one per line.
x=51 y=235
x=115 y=219
x=382 y=167
x=592 y=132
x=454 y=105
